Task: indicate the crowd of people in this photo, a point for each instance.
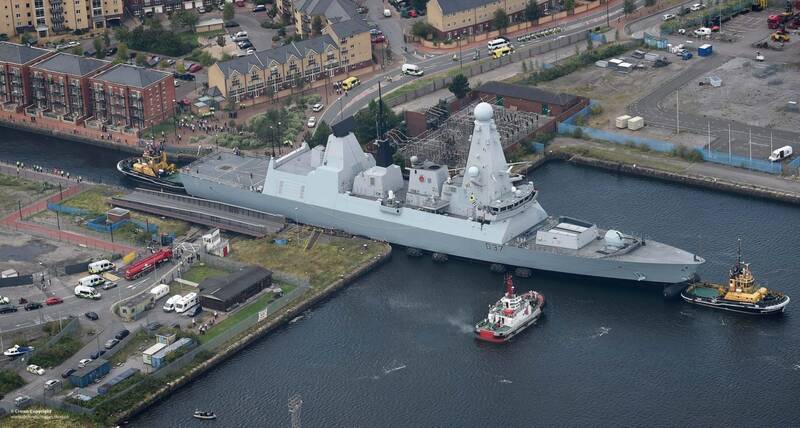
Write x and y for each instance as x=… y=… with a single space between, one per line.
x=43 y=170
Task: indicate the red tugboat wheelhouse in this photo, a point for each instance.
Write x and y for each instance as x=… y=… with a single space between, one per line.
x=510 y=315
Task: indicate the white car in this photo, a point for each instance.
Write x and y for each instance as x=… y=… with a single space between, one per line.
x=669 y=16
x=51 y=384
x=696 y=7
x=681 y=31
x=82 y=363
x=33 y=368
x=702 y=32
x=317 y=107
x=250 y=51
x=312 y=122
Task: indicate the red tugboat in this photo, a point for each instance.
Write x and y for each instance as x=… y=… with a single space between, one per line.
x=510 y=315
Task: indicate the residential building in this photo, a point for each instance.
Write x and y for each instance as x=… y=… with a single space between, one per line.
x=46 y=18
x=127 y=96
x=341 y=49
x=526 y=98
x=150 y=7
x=453 y=18
x=223 y=293
x=60 y=85
x=15 y=62
x=329 y=11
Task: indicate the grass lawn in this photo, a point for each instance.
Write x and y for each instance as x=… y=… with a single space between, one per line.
x=94 y=200
x=13 y=189
x=200 y=271
x=139 y=340
x=330 y=258
x=260 y=303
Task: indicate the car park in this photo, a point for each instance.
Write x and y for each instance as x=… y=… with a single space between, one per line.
x=92 y=316
x=32 y=306
x=82 y=363
x=110 y=343
x=68 y=372
x=317 y=107
x=33 y=368
x=122 y=334
x=53 y=301
x=668 y=16
x=312 y=122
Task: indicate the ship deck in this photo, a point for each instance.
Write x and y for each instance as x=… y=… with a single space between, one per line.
x=229 y=169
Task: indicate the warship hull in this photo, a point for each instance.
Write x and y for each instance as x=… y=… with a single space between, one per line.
x=442 y=234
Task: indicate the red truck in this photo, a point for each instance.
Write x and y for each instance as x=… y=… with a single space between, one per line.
x=147 y=264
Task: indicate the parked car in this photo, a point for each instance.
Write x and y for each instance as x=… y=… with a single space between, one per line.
x=7 y=309
x=68 y=372
x=184 y=76
x=312 y=122
x=22 y=401
x=194 y=68
x=244 y=44
x=231 y=24
x=52 y=384
x=111 y=284
x=111 y=51
x=668 y=16
x=260 y=8
x=380 y=38
x=82 y=363
x=697 y=6
x=53 y=301
x=171 y=61
x=97 y=354
x=122 y=334
x=92 y=316
x=110 y=343
x=33 y=305
x=317 y=107
x=153 y=326
x=33 y=368
x=702 y=32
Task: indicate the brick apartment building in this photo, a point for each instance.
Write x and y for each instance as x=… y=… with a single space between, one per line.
x=151 y=7
x=15 y=62
x=453 y=18
x=60 y=86
x=47 y=18
x=132 y=97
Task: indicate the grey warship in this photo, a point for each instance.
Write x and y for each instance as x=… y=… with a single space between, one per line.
x=481 y=212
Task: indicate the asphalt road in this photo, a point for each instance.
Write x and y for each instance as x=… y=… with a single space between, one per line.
x=360 y=96
x=106 y=327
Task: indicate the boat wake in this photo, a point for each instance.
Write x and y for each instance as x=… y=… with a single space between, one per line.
x=505 y=381
x=462 y=325
x=394 y=369
x=602 y=331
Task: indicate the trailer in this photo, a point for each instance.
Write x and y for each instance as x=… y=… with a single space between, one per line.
x=147 y=264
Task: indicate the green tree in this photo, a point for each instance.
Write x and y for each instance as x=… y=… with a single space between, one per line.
x=316 y=26
x=459 y=86
x=227 y=11
x=77 y=50
x=320 y=136
x=628 y=7
x=141 y=59
x=269 y=91
x=532 y=11
x=221 y=39
x=26 y=38
x=367 y=118
x=122 y=52
x=500 y=20
x=184 y=20
x=421 y=29
x=419 y=4
x=97 y=43
x=569 y=5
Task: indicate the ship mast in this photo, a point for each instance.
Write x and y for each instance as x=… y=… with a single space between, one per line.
x=509 y=286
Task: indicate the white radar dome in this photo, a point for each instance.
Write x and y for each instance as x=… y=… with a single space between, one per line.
x=614 y=238
x=473 y=171
x=483 y=112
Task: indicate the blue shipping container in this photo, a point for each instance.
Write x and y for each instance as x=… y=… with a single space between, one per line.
x=94 y=370
x=705 y=50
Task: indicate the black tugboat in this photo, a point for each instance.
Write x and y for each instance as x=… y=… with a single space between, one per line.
x=742 y=294
x=153 y=170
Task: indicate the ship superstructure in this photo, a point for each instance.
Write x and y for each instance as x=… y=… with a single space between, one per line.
x=479 y=213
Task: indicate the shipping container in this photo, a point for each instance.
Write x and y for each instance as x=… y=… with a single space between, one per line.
x=705 y=50
x=635 y=123
x=622 y=121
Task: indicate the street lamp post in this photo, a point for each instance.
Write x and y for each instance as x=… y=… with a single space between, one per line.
x=175 y=117
x=460 y=56
x=608 y=24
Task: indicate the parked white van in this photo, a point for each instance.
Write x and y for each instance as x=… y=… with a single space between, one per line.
x=782 y=153
x=188 y=301
x=159 y=291
x=101 y=266
x=241 y=34
x=169 y=305
x=412 y=69
x=86 y=292
x=91 y=281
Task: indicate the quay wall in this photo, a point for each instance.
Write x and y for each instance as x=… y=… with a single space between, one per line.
x=270 y=325
x=689 y=179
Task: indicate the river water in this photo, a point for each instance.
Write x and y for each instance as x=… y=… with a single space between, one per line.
x=395 y=347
